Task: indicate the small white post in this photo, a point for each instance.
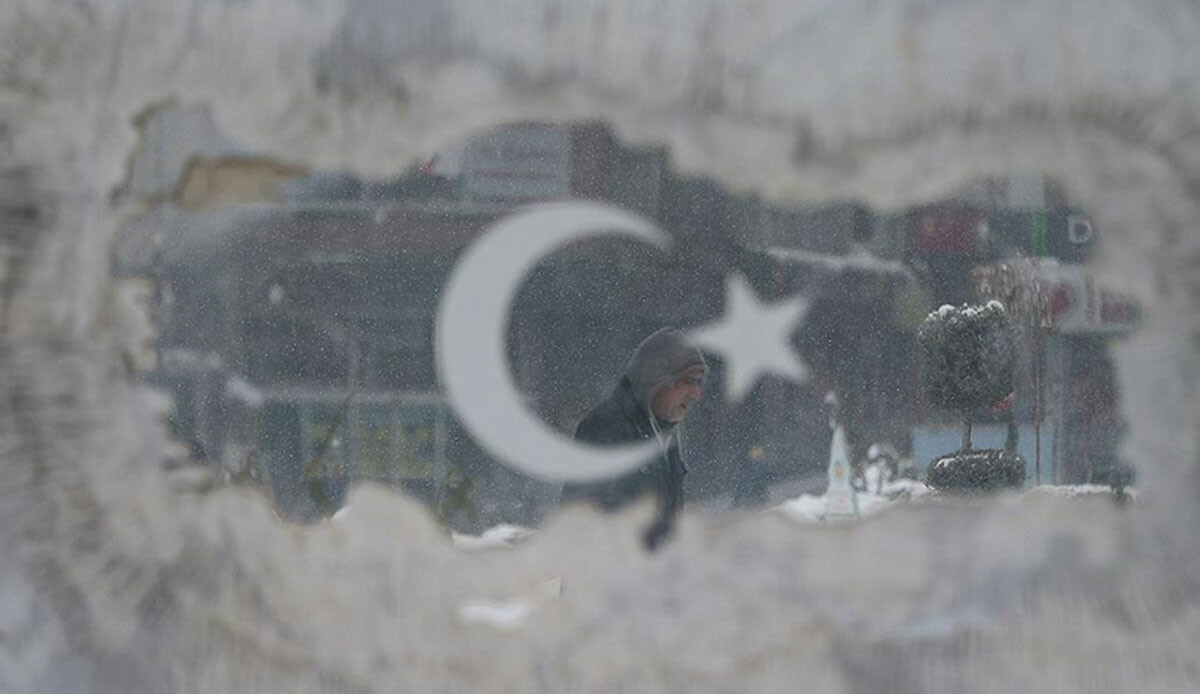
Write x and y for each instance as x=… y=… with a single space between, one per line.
x=840 y=499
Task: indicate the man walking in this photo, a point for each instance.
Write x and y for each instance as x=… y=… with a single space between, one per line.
x=663 y=380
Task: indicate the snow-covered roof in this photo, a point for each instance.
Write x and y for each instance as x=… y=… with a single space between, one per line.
x=862 y=262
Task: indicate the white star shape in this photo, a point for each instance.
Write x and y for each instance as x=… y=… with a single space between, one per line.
x=754 y=339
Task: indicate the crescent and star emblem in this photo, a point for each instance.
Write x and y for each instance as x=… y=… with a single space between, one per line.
x=472 y=321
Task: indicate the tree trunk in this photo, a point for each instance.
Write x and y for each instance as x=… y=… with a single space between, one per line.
x=966 y=442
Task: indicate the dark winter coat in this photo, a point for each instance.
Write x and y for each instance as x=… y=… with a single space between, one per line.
x=620 y=419
x=624 y=418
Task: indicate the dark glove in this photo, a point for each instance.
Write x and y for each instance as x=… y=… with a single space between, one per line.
x=656 y=533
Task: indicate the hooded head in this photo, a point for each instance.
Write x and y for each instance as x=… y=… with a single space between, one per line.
x=659 y=361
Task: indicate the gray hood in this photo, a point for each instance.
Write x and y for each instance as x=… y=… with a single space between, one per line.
x=660 y=359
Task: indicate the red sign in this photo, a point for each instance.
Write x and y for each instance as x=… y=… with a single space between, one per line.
x=1065 y=297
x=952 y=232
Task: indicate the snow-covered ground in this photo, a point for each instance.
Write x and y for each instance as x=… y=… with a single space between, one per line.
x=1077 y=490
x=810 y=508
x=500 y=536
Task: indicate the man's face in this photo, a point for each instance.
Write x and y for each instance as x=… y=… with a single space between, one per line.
x=672 y=402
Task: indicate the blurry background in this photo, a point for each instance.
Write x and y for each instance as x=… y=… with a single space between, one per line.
x=294 y=313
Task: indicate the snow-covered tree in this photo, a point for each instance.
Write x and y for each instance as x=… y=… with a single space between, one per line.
x=968 y=355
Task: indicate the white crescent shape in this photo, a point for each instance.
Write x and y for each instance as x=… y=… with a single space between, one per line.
x=472 y=333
